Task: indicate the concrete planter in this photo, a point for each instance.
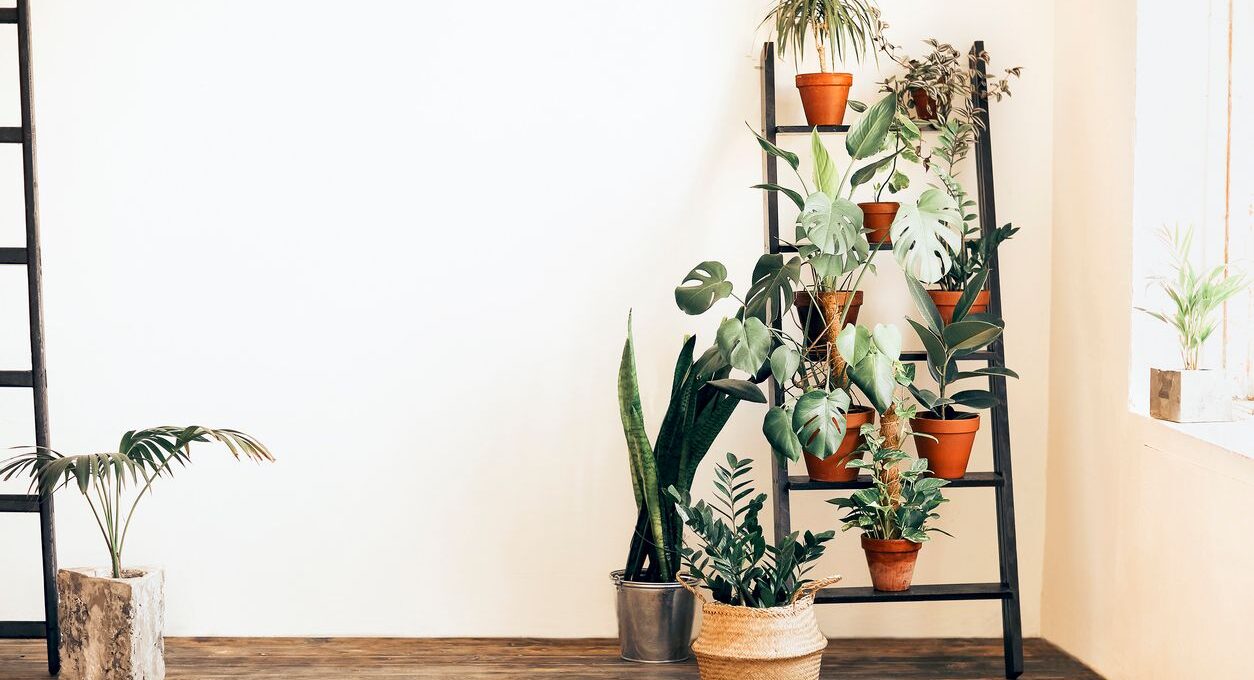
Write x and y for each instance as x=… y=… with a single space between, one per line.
x=111 y=628
x=1190 y=396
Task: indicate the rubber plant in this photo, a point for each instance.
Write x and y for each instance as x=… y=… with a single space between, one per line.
x=702 y=399
x=142 y=457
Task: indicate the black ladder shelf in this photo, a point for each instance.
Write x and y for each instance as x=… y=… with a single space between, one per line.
x=1007 y=590
x=36 y=379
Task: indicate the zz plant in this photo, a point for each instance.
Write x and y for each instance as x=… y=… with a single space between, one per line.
x=900 y=502
x=734 y=561
x=701 y=402
x=142 y=457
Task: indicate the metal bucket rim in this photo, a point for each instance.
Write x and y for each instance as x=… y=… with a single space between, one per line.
x=617 y=577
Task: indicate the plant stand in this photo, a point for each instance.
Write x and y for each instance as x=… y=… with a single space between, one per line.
x=1007 y=590
x=36 y=378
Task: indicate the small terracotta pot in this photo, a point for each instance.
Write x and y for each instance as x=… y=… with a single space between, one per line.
x=947 y=300
x=818 y=333
x=824 y=96
x=891 y=562
x=924 y=107
x=878 y=217
x=947 y=456
x=832 y=468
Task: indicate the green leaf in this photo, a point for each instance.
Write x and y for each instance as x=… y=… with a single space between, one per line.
x=740 y=389
x=937 y=355
x=926 y=307
x=824 y=169
x=711 y=286
x=853 y=343
x=977 y=399
x=744 y=344
x=969 y=293
x=819 y=420
x=887 y=340
x=795 y=196
x=773 y=280
x=790 y=158
x=777 y=428
x=925 y=233
x=785 y=361
x=867 y=136
x=833 y=226
x=965 y=336
x=898 y=181
x=875 y=377
x=867 y=172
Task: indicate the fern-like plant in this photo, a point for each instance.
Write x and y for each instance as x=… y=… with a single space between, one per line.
x=103 y=478
x=735 y=562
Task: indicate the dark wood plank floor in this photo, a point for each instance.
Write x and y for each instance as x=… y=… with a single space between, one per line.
x=493 y=659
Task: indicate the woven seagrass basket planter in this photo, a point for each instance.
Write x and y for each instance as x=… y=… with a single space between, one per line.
x=751 y=643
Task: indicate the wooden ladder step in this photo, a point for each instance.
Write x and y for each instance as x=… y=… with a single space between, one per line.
x=13 y=256
x=22 y=630
x=971 y=479
x=19 y=503
x=17 y=379
x=917 y=593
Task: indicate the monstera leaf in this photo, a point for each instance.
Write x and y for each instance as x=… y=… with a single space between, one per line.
x=777 y=428
x=819 y=421
x=925 y=233
x=711 y=286
x=832 y=226
x=744 y=344
x=772 y=283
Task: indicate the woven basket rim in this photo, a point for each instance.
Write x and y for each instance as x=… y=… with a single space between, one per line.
x=778 y=610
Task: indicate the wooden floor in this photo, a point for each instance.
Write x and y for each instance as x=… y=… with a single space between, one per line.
x=322 y=658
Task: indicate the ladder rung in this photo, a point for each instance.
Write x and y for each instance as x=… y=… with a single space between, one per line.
x=19 y=503
x=10 y=135
x=971 y=479
x=920 y=593
x=8 y=15
x=974 y=356
x=12 y=256
x=788 y=248
x=22 y=630
x=805 y=129
x=16 y=379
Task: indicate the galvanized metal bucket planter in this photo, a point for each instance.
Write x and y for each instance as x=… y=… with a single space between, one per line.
x=654 y=620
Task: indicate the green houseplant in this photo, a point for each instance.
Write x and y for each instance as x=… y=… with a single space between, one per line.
x=111 y=621
x=938 y=85
x=1192 y=394
x=655 y=615
x=762 y=601
x=841 y=26
x=952 y=432
x=893 y=513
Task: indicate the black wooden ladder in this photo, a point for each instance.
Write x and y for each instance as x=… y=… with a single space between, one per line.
x=36 y=379
x=1007 y=589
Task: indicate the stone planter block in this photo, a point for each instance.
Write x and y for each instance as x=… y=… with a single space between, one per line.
x=111 y=629
x=1190 y=396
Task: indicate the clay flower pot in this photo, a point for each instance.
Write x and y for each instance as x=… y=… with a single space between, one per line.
x=947 y=456
x=878 y=217
x=947 y=300
x=924 y=107
x=111 y=627
x=891 y=562
x=832 y=468
x=819 y=333
x=824 y=96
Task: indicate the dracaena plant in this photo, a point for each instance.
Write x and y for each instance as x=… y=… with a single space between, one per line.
x=143 y=457
x=699 y=407
x=1195 y=295
x=842 y=26
x=900 y=501
x=946 y=344
x=734 y=560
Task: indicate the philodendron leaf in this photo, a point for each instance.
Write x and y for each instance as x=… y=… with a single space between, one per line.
x=867 y=136
x=874 y=375
x=740 y=389
x=710 y=286
x=887 y=340
x=773 y=279
x=819 y=420
x=898 y=181
x=824 y=169
x=784 y=363
x=853 y=343
x=744 y=343
x=833 y=226
x=777 y=428
x=925 y=233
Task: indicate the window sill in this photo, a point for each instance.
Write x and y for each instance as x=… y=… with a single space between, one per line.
x=1235 y=437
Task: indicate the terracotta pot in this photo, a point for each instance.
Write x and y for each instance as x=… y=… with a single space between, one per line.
x=924 y=107
x=824 y=96
x=947 y=300
x=832 y=468
x=878 y=217
x=891 y=562
x=947 y=456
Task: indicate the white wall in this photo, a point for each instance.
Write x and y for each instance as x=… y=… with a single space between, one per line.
x=398 y=241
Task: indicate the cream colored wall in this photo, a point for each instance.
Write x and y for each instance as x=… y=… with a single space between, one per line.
x=1146 y=566
x=438 y=220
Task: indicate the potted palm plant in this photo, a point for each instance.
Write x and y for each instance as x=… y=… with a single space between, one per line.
x=893 y=513
x=1192 y=394
x=654 y=612
x=950 y=432
x=112 y=618
x=843 y=26
x=760 y=622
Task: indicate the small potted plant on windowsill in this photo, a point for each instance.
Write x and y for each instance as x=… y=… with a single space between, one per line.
x=893 y=513
x=761 y=622
x=844 y=26
x=112 y=619
x=1192 y=394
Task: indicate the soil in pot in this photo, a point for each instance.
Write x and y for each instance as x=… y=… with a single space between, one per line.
x=947 y=456
x=878 y=217
x=891 y=562
x=924 y=107
x=819 y=333
x=824 y=96
x=832 y=468
x=947 y=300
